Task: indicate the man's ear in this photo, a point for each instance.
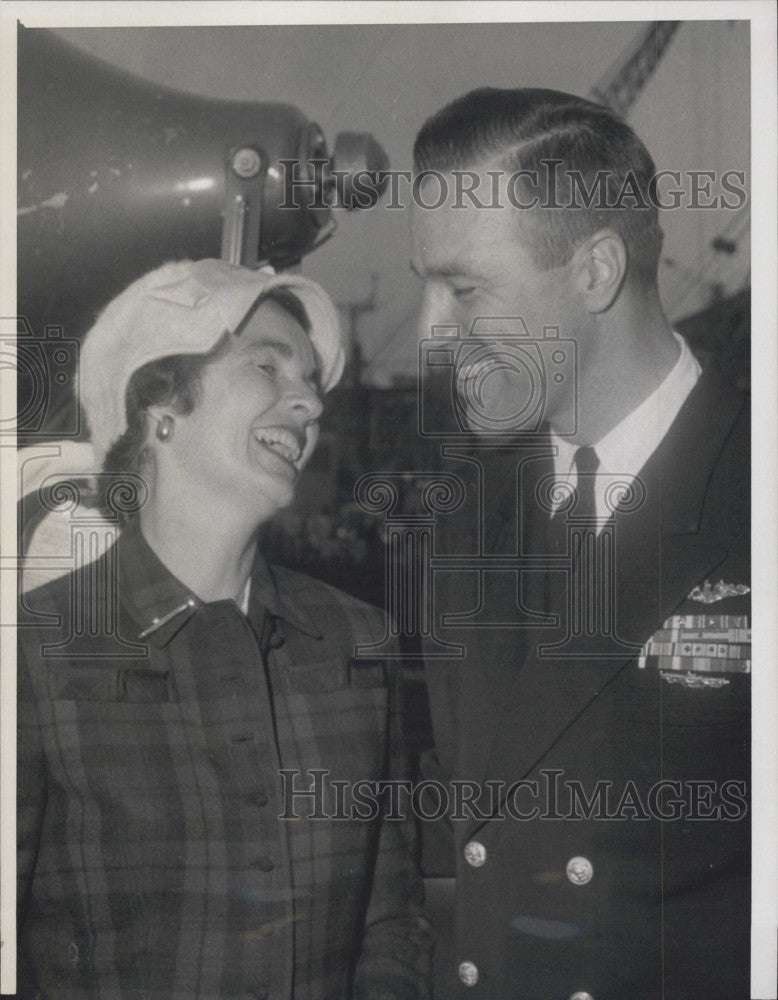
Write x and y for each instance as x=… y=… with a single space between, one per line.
x=599 y=269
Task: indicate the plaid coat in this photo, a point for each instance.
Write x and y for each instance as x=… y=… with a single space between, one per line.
x=160 y=740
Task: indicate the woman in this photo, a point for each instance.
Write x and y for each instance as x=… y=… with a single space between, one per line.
x=163 y=735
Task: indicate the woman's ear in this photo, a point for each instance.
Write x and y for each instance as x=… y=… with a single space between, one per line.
x=599 y=269
x=161 y=421
x=156 y=412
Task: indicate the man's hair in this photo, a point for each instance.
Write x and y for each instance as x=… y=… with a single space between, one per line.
x=174 y=381
x=524 y=129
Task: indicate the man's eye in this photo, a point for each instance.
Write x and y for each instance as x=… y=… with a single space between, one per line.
x=465 y=292
x=269 y=367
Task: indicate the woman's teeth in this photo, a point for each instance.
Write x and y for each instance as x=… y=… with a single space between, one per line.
x=280 y=441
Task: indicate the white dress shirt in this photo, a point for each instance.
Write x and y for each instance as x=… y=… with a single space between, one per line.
x=625 y=449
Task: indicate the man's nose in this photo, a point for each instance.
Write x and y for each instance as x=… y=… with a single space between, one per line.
x=437 y=308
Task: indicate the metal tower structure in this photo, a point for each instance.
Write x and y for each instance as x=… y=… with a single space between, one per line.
x=622 y=84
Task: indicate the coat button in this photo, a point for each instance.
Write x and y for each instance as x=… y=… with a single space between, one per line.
x=581 y=996
x=468 y=973
x=264 y=864
x=580 y=871
x=475 y=854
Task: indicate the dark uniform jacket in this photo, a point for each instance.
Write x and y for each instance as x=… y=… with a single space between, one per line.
x=610 y=856
x=152 y=733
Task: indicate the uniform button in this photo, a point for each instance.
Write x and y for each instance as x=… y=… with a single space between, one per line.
x=580 y=871
x=468 y=973
x=581 y=996
x=475 y=854
x=264 y=864
x=258 y=798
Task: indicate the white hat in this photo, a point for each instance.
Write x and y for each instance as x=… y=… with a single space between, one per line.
x=185 y=308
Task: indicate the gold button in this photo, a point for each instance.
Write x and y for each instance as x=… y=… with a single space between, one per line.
x=475 y=854
x=468 y=973
x=580 y=871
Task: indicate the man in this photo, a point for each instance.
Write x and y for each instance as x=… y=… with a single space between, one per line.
x=596 y=725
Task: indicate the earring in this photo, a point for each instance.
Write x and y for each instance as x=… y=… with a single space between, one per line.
x=165 y=428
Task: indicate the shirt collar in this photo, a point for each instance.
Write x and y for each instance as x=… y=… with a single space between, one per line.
x=265 y=593
x=161 y=604
x=627 y=447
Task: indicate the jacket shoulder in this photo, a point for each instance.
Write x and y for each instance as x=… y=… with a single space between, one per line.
x=51 y=598
x=728 y=498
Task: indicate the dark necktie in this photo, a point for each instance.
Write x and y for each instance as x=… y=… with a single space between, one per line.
x=582 y=516
x=586 y=464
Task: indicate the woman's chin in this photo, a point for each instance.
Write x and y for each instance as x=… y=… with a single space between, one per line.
x=272 y=498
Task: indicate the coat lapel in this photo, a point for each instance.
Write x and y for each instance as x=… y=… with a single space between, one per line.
x=662 y=551
x=495 y=528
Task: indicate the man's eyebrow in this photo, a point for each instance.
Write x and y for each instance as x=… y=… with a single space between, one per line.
x=450 y=270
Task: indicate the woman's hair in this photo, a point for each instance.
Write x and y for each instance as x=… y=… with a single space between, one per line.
x=174 y=381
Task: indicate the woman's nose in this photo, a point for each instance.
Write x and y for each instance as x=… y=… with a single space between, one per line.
x=306 y=399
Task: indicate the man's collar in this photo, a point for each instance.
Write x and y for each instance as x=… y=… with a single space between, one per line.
x=691 y=444
x=161 y=605
x=629 y=445
x=626 y=448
